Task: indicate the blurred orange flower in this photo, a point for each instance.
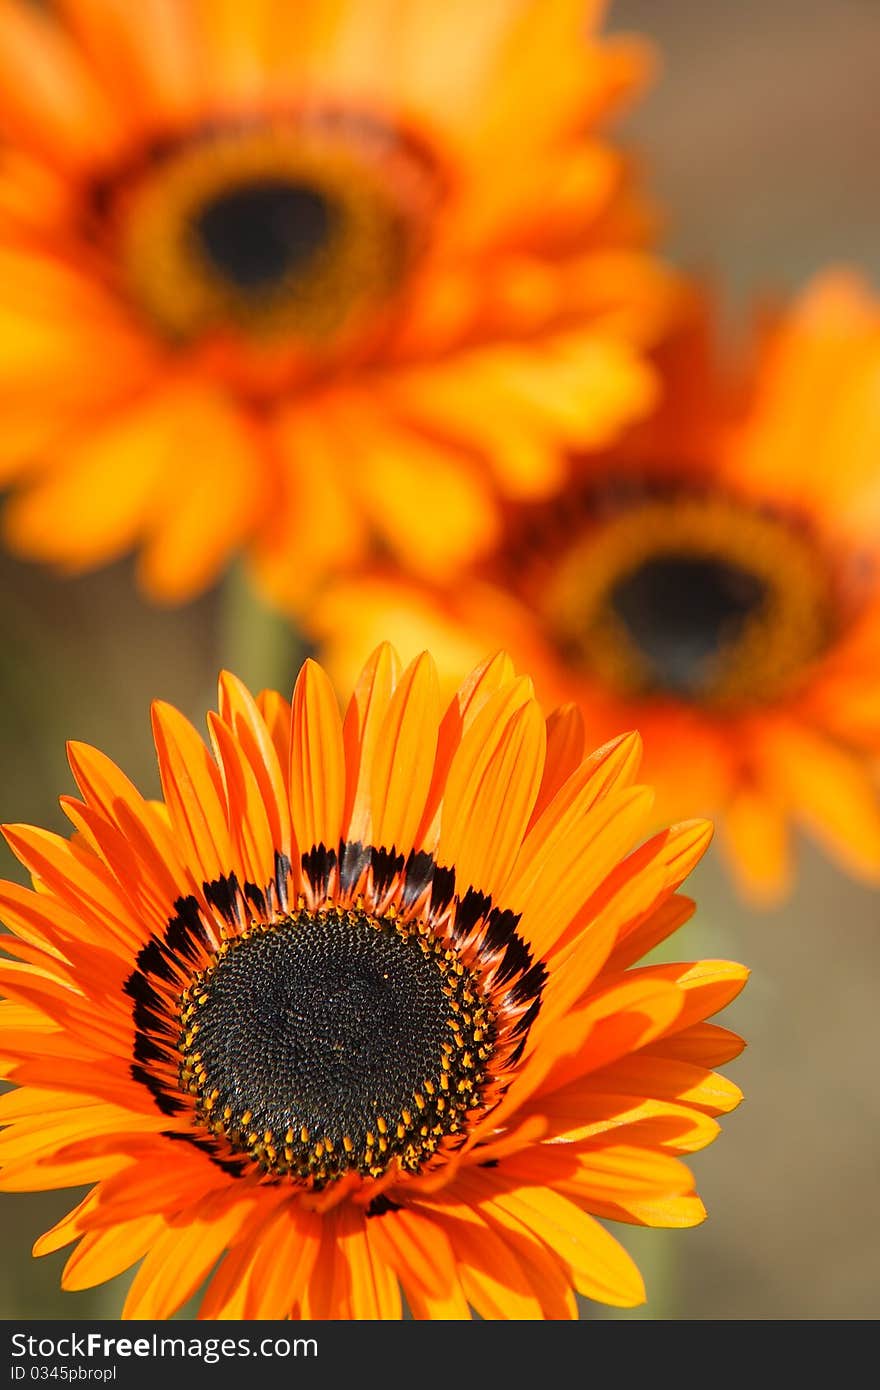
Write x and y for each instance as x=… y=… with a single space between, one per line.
x=713 y=581
x=296 y=279
x=353 y=1008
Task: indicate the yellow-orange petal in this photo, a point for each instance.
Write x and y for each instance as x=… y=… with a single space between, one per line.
x=181 y=1256
x=101 y=1255
x=566 y=740
x=600 y=1267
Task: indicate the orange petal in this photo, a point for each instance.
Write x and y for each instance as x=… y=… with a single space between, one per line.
x=226 y=479
x=283 y=1260
x=193 y=792
x=831 y=791
x=68 y=1228
x=666 y=1078
x=617 y=1019
x=567 y=856
x=276 y=713
x=487 y=679
x=755 y=840
x=490 y=792
x=707 y=986
x=48 y=96
x=403 y=761
x=600 y=1267
x=181 y=1257
x=432 y=508
x=364 y=718
x=578 y=1115
x=111 y=793
x=566 y=739
x=317 y=761
x=491 y=1276
x=702 y=1044
x=101 y=1255
x=635 y=892
x=88 y=889
x=645 y=932
x=147 y=57
x=373 y=1289
x=240 y=711
x=249 y=827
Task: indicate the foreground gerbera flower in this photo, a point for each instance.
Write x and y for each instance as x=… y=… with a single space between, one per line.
x=355 y=260
x=713 y=581
x=352 y=1008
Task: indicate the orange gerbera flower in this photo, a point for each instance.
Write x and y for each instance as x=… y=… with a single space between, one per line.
x=714 y=581
x=353 y=1008
x=304 y=279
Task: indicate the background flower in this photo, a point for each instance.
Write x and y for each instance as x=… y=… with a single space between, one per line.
x=358 y=262
x=712 y=579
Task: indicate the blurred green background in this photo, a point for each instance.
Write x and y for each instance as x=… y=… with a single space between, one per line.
x=761 y=140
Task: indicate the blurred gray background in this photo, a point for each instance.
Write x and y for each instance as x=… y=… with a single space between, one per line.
x=762 y=140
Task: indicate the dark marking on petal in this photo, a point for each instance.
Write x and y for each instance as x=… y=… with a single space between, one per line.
x=152 y=959
x=382 y=1204
x=522 y=1026
x=501 y=935
x=190 y=915
x=223 y=893
x=530 y=985
x=418 y=874
x=256 y=898
x=150 y=1020
x=317 y=864
x=282 y=878
x=354 y=860
x=182 y=939
x=169 y=1105
x=387 y=865
x=147 y=1050
x=138 y=988
x=471 y=908
x=442 y=888
x=233 y=1166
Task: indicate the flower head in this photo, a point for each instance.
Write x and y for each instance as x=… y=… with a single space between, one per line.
x=352 y=1009
x=358 y=261
x=713 y=581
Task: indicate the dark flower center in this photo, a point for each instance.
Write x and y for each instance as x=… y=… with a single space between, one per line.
x=334 y=1040
x=258 y=234
x=682 y=612
x=297 y=230
x=681 y=594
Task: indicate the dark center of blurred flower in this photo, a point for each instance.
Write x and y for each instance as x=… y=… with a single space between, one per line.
x=334 y=1040
x=301 y=229
x=682 y=611
x=687 y=595
x=259 y=233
